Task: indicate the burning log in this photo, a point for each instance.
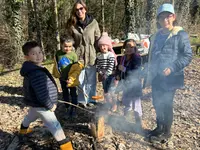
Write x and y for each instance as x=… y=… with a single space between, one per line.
x=97 y=124
x=98 y=127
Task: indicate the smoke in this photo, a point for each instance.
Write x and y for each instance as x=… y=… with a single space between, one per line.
x=129 y=86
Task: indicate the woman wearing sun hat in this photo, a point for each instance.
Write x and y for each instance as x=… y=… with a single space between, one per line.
x=170 y=53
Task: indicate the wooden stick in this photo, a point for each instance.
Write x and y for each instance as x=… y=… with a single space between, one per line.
x=76 y=106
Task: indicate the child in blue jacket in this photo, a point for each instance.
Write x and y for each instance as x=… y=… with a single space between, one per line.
x=40 y=94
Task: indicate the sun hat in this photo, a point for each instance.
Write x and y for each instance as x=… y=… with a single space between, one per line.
x=166 y=8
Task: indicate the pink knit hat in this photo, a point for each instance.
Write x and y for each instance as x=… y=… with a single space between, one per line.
x=106 y=40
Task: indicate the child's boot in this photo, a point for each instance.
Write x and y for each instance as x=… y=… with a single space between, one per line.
x=138 y=122
x=158 y=130
x=25 y=130
x=66 y=146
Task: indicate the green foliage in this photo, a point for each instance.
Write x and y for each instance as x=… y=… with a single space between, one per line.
x=195 y=40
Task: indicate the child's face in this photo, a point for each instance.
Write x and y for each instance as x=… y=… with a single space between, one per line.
x=67 y=47
x=104 y=48
x=166 y=20
x=35 y=55
x=130 y=48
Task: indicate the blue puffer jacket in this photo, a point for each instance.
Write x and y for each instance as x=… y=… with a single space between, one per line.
x=40 y=89
x=175 y=54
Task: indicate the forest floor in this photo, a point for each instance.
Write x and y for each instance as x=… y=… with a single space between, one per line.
x=119 y=132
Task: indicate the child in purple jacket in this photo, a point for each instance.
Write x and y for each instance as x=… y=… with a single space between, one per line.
x=128 y=72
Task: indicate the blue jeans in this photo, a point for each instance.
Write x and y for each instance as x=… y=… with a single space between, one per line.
x=49 y=119
x=87 y=80
x=107 y=83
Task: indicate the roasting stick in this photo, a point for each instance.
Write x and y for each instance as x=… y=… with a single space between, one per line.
x=76 y=106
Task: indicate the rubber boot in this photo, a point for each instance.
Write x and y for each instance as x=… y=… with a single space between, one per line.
x=158 y=130
x=166 y=135
x=25 y=130
x=66 y=146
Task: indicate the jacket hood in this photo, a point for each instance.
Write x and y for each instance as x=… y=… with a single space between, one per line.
x=88 y=20
x=28 y=67
x=174 y=31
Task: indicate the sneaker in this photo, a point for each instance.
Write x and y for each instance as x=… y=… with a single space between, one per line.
x=162 y=138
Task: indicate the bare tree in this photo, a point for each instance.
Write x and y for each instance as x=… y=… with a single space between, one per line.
x=183 y=11
x=129 y=16
x=56 y=24
x=151 y=16
x=13 y=18
x=102 y=13
x=31 y=22
x=37 y=21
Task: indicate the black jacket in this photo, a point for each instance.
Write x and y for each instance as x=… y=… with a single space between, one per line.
x=40 y=89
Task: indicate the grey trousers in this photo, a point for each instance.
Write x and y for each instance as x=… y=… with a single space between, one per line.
x=49 y=119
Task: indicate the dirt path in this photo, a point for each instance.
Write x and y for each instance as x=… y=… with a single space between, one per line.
x=119 y=134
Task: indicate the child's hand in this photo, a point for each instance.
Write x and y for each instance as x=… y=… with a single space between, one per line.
x=117 y=77
x=53 y=108
x=167 y=71
x=69 y=81
x=122 y=68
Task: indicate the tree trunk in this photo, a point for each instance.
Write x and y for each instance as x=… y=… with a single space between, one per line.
x=151 y=17
x=182 y=11
x=31 y=22
x=38 y=28
x=113 y=16
x=14 y=20
x=129 y=16
x=56 y=24
x=102 y=13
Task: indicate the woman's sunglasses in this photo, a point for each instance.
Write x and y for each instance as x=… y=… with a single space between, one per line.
x=81 y=8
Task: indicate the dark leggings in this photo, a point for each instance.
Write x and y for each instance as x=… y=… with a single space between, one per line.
x=163 y=104
x=69 y=90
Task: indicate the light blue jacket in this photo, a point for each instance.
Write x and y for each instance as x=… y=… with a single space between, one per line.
x=176 y=54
